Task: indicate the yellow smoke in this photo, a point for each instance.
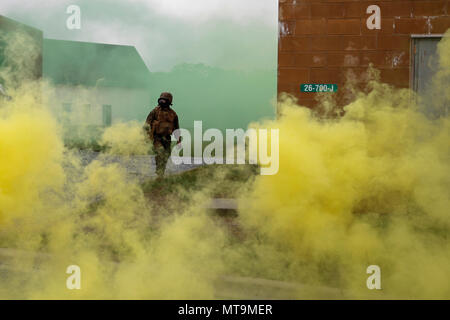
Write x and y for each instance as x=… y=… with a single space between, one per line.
x=126 y=139
x=54 y=212
x=369 y=188
x=30 y=155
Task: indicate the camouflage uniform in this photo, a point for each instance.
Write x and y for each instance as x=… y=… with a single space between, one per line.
x=161 y=123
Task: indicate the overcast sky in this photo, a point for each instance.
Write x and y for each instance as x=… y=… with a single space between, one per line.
x=237 y=34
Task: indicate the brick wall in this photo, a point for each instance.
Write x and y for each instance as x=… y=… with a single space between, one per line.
x=321 y=41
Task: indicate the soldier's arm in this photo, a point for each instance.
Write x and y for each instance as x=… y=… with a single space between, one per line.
x=176 y=124
x=148 y=122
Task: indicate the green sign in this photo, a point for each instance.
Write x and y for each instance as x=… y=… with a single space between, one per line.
x=311 y=87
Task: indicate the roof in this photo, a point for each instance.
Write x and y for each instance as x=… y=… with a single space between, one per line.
x=11 y=30
x=94 y=64
x=8 y=24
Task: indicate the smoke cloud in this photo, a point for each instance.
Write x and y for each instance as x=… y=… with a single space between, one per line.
x=368 y=188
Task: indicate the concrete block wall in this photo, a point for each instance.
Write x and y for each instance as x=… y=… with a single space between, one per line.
x=321 y=41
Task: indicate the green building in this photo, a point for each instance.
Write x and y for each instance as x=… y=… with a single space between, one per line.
x=96 y=84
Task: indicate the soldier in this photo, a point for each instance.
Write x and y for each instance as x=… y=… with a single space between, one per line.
x=160 y=124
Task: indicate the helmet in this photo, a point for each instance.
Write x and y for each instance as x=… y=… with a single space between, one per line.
x=166 y=95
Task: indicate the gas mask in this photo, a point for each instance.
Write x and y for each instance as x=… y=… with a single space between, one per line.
x=164 y=103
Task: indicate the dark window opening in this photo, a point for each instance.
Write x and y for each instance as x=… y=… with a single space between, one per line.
x=107 y=115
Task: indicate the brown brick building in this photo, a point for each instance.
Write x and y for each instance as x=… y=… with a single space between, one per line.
x=320 y=41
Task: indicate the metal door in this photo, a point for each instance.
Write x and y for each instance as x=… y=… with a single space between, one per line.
x=425 y=66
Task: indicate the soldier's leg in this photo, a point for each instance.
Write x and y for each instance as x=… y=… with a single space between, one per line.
x=165 y=155
x=158 y=148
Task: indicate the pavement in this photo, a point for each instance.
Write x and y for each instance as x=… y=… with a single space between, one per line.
x=141 y=167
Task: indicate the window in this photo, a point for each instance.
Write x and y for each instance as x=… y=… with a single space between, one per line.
x=107 y=115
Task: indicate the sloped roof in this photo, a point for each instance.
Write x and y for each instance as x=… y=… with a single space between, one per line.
x=94 y=64
x=8 y=24
x=10 y=30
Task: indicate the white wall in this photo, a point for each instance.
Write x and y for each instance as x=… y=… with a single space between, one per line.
x=127 y=104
